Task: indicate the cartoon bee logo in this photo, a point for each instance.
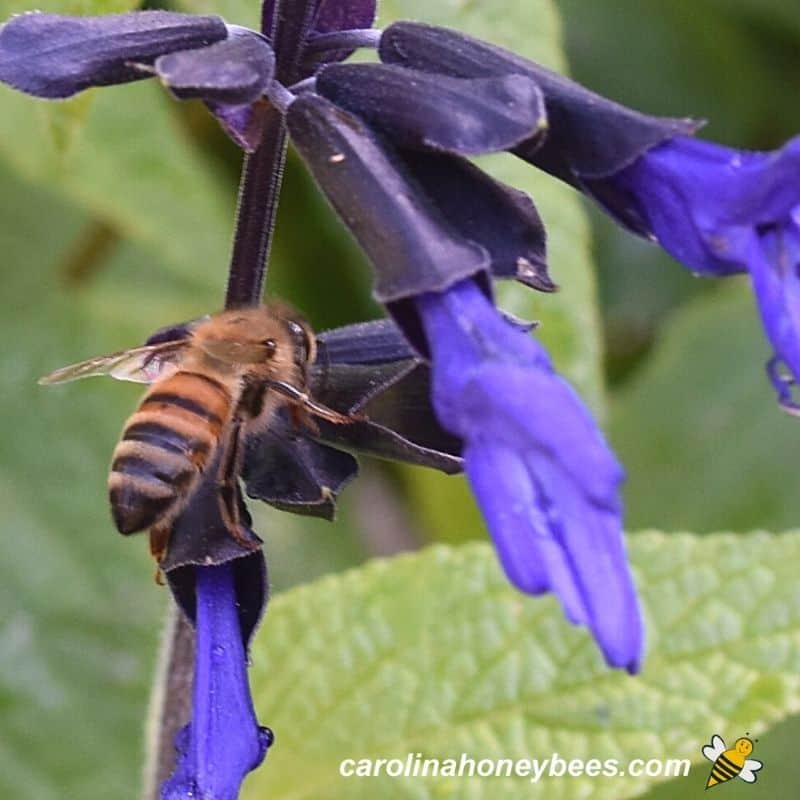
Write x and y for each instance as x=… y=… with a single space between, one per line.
x=727 y=764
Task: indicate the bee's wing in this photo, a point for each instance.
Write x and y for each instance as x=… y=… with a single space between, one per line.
x=140 y=365
x=230 y=351
x=748 y=773
x=714 y=750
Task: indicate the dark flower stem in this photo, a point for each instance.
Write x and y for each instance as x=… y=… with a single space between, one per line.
x=293 y=22
x=262 y=172
x=259 y=191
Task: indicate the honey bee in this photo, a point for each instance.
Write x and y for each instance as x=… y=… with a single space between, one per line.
x=209 y=390
x=728 y=764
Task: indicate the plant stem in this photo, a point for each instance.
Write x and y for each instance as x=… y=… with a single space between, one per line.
x=262 y=172
x=293 y=22
x=259 y=191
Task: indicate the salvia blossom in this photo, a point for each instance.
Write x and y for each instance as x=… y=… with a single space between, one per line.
x=721 y=211
x=448 y=382
x=717 y=210
x=229 y=67
x=223 y=742
x=549 y=492
x=367 y=369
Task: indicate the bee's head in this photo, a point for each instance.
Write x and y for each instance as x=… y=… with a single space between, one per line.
x=744 y=746
x=240 y=337
x=272 y=335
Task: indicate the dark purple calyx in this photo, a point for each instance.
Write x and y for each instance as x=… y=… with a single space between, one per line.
x=408 y=240
x=588 y=135
x=54 y=56
x=235 y=71
x=436 y=112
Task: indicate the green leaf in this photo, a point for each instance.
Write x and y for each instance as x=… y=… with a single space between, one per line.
x=434 y=653
x=699 y=430
x=132 y=166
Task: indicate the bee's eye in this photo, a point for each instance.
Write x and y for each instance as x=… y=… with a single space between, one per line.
x=271 y=346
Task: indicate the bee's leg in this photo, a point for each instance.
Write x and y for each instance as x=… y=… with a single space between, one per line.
x=159 y=541
x=228 y=485
x=303 y=402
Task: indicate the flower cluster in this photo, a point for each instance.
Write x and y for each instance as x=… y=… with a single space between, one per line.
x=716 y=210
x=389 y=145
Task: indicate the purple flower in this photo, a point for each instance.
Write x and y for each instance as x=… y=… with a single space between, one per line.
x=228 y=67
x=54 y=56
x=718 y=211
x=426 y=220
x=437 y=230
x=721 y=211
x=586 y=135
x=223 y=742
x=221 y=583
x=542 y=473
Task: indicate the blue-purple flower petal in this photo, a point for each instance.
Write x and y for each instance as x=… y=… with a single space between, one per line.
x=721 y=211
x=546 y=480
x=527 y=396
x=533 y=560
x=223 y=742
x=774 y=263
x=698 y=199
x=55 y=56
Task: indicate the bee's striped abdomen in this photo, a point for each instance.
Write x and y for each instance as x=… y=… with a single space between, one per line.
x=723 y=770
x=164 y=447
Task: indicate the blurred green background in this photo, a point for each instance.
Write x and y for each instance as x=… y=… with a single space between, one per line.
x=115 y=218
